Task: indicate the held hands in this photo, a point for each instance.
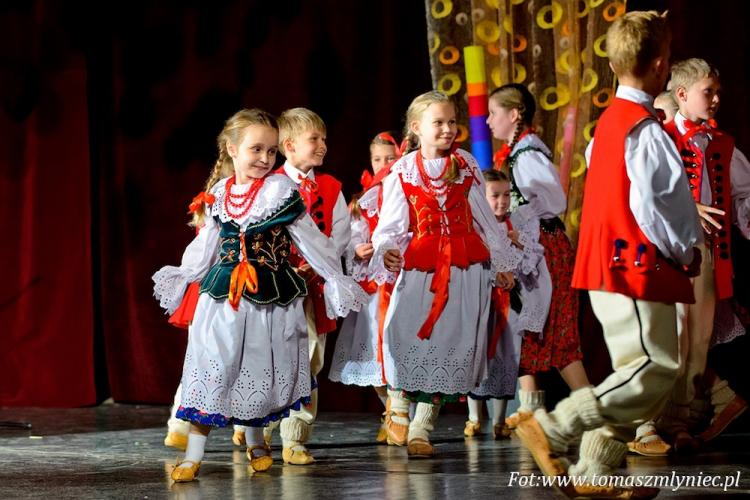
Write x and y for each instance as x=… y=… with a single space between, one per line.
x=705 y=211
x=506 y=280
x=513 y=236
x=364 y=251
x=694 y=268
x=392 y=260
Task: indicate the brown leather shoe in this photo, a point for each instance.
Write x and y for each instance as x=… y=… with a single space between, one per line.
x=500 y=431
x=685 y=443
x=420 y=448
x=649 y=445
x=590 y=491
x=721 y=421
x=261 y=463
x=513 y=420
x=472 y=428
x=185 y=474
x=533 y=438
x=396 y=433
x=297 y=457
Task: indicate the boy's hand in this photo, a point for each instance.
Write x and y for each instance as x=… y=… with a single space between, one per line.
x=705 y=211
x=694 y=268
x=364 y=251
x=392 y=260
x=506 y=280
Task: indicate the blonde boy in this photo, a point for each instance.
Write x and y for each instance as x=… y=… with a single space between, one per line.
x=635 y=252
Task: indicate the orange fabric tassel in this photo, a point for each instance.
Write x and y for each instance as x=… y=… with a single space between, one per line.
x=243 y=276
x=501 y=305
x=438 y=286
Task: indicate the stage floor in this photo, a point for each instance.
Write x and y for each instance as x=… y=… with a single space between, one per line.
x=116 y=451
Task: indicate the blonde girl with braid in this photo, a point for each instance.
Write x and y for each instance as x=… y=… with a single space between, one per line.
x=536 y=193
x=438 y=241
x=246 y=360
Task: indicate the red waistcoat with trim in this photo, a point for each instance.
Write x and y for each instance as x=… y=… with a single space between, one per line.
x=717 y=160
x=320 y=207
x=613 y=253
x=428 y=222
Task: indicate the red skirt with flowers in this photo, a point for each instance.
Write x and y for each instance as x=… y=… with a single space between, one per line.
x=560 y=344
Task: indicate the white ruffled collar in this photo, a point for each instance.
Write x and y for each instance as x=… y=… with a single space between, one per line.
x=369 y=201
x=276 y=190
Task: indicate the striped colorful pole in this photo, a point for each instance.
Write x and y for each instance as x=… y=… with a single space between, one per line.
x=476 y=85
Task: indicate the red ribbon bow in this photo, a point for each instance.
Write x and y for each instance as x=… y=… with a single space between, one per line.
x=199 y=200
x=502 y=154
x=307 y=185
x=366 y=180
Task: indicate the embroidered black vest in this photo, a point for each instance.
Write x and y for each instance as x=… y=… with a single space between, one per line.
x=268 y=247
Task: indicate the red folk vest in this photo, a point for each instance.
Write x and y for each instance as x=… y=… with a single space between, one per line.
x=717 y=159
x=613 y=253
x=320 y=207
x=443 y=237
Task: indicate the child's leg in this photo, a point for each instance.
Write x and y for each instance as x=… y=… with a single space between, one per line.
x=575 y=376
x=397 y=418
x=473 y=425
x=498 y=410
x=178 y=430
x=420 y=429
x=530 y=398
x=196 y=444
x=238 y=436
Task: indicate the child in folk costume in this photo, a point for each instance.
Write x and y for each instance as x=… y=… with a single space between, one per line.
x=635 y=254
x=246 y=359
x=358 y=357
x=536 y=194
x=719 y=179
x=302 y=139
x=508 y=325
x=437 y=229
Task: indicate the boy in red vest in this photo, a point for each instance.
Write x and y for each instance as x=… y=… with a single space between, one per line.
x=636 y=251
x=302 y=140
x=719 y=180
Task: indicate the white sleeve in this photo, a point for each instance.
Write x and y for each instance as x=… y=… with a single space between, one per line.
x=539 y=182
x=587 y=153
x=170 y=282
x=505 y=257
x=392 y=231
x=342 y=294
x=340 y=227
x=356 y=267
x=660 y=198
x=739 y=172
x=536 y=298
x=533 y=251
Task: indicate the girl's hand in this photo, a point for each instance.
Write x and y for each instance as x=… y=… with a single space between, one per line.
x=364 y=251
x=705 y=211
x=513 y=235
x=506 y=281
x=393 y=260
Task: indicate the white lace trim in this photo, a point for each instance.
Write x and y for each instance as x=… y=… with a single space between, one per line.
x=377 y=271
x=342 y=295
x=276 y=190
x=355 y=267
x=369 y=201
x=533 y=251
x=727 y=325
x=406 y=166
x=532 y=318
x=169 y=287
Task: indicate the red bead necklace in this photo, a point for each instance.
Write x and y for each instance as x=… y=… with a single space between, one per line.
x=429 y=181
x=244 y=201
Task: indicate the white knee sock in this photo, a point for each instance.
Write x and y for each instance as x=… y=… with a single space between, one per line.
x=530 y=400
x=424 y=421
x=498 y=410
x=195 y=447
x=599 y=455
x=399 y=404
x=254 y=437
x=475 y=409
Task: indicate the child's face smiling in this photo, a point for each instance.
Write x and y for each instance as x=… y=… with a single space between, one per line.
x=437 y=128
x=381 y=155
x=701 y=100
x=307 y=150
x=255 y=155
x=498 y=196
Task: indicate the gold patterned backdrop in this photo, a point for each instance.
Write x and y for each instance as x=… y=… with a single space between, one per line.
x=554 y=47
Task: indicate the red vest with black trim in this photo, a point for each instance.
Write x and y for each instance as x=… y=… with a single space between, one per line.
x=429 y=222
x=717 y=160
x=320 y=207
x=613 y=253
